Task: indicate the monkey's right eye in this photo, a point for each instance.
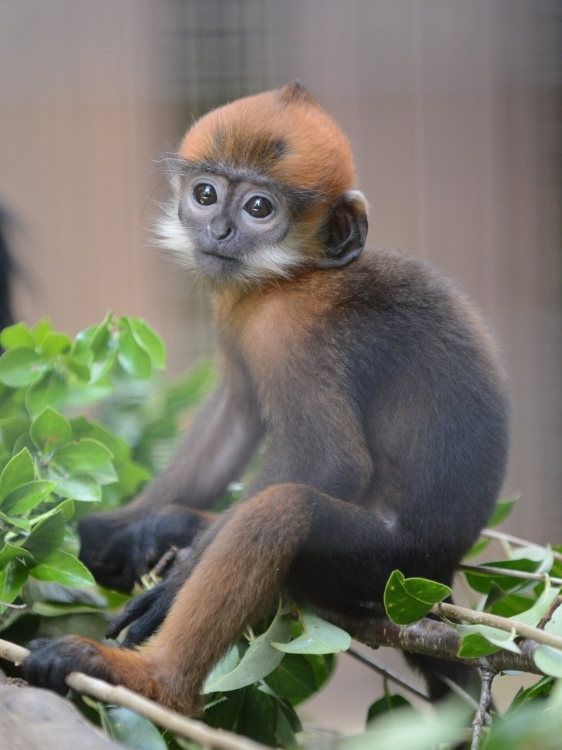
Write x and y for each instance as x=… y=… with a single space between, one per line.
x=205 y=194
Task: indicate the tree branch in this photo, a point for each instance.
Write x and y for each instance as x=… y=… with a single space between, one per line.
x=432 y=638
x=495 y=621
x=509 y=573
x=485 y=699
x=502 y=536
x=389 y=673
x=174 y=722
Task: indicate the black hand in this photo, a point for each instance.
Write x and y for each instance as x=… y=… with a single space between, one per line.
x=119 y=552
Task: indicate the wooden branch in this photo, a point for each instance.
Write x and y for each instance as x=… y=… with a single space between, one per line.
x=432 y=638
x=485 y=700
x=502 y=536
x=509 y=573
x=170 y=720
x=495 y=621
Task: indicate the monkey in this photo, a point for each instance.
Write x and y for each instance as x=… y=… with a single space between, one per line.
x=370 y=378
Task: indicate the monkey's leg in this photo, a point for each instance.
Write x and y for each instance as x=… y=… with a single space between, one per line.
x=237 y=580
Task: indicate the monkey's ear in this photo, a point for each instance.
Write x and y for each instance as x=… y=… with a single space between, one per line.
x=346 y=230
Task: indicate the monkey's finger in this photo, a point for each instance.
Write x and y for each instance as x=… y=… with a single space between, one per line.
x=132 y=612
x=143 y=628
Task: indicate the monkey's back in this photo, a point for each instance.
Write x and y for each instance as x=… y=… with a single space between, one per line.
x=433 y=395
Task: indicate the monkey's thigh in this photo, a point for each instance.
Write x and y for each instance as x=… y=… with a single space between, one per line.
x=346 y=559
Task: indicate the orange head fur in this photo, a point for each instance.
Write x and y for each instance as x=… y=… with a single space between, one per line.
x=283 y=134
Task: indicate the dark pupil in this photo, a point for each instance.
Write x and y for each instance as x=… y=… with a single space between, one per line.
x=206 y=195
x=258 y=207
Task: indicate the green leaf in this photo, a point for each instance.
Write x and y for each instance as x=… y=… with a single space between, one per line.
x=12 y=578
x=133 y=730
x=55 y=344
x=17 y=335
x=407 y=600
x=104 y=474
x=132 y=477
x=46 y=536
x=41 y=329
x=549 y=660
x=62 y=568
x=83 y=427
x=132 y=357
x=319 y=637
x=294 y=679
x=27 y=497
x=481 y=580
x=541 y=689
x=20 y=366
x=502 y=510
x=81 y=352
x=78 y=487
x=534 y=614
x=100 y=341
x=259 y=660
x=50 y=430
x=17 y=521
x=11 y=552
x=150 y=341
x=83 y=455
x=48 y=390
x=481 y=640
x=12 y=429
x=385 y=704
x=19 y=470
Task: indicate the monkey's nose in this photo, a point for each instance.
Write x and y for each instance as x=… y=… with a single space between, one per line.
x=220 y=229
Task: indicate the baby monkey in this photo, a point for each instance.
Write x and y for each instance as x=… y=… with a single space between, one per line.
x=374 y=382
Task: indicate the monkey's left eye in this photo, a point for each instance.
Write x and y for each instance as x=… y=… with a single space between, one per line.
x=205 y=194
x=258 y=207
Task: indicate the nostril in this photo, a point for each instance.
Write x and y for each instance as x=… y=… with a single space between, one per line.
x=224 y=233
x=221 y=229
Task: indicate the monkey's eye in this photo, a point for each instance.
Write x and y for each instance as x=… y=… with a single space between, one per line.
x=205 y=194
x=258 y=207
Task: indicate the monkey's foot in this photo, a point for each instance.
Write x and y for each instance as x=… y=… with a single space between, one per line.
x=52 y=659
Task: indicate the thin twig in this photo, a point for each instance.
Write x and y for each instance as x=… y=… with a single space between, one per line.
x=13 y=606
x=170 y=720
x=495 y=621
x=502 y=536
x=509 y=573
x=389 y=673
x=485 y=698
x=550 y=611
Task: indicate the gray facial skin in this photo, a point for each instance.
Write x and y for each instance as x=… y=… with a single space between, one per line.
x=231 y=222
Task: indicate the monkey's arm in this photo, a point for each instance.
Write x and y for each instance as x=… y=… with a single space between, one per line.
x=120 y=546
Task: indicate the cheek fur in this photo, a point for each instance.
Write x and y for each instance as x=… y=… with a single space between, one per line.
x=172 y=236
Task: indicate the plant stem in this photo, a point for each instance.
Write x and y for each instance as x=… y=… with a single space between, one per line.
x=509 y=573
x=495 y=621
x=502 y=536
x=485 y=698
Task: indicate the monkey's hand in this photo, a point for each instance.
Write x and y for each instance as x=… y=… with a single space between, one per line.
x=119 y=550
x=144 y=614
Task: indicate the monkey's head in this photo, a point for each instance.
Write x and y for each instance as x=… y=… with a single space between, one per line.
x=262 y=188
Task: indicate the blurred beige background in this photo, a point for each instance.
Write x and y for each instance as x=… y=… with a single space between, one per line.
x=454 y=111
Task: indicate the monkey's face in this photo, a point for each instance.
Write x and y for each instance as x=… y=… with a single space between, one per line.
x=237 y=229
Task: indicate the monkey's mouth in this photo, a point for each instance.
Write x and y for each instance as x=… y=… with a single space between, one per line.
x=218 y=256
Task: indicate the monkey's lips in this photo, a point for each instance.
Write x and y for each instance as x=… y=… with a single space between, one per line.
x=215 y=265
